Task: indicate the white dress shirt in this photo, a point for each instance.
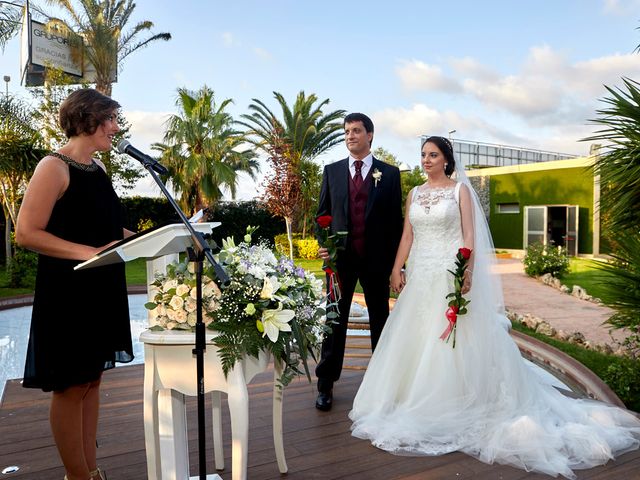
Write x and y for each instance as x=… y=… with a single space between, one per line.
x=366 y=165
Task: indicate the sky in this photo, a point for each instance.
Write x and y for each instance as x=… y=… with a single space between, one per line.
x=514 y=72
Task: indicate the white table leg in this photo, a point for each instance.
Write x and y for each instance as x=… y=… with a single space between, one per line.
x=238 y=398
x=150 y=413
x=278 y=441
x=216 y=410
x=172 y=431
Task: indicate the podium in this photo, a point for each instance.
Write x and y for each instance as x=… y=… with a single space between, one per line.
x=170 y=372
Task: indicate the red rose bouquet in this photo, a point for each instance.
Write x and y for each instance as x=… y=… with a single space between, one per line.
x=457 y=304
x=331 y=243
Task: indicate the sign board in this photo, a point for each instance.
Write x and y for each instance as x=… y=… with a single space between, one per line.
x=49 y=47
x=43 y=47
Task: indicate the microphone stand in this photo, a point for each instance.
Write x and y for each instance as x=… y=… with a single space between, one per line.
x=197 y=254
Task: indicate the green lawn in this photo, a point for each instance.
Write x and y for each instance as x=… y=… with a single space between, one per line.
x=585 y=273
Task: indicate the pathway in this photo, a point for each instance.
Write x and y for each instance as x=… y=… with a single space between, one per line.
x=526 y=295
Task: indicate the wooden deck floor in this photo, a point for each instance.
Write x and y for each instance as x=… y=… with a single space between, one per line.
x=318 y=445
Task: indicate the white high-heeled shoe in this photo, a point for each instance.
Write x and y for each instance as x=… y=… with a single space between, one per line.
x=99 y=473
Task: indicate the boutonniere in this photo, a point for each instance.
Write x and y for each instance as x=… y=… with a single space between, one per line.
x=377 y=175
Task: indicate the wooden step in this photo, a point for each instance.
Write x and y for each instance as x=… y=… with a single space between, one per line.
x=357 y=355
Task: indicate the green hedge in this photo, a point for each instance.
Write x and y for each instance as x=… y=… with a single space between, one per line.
x=235 y=216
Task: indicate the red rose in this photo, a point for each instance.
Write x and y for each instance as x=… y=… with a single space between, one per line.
x=324 y=221
x=465 y=252
x=452 y=313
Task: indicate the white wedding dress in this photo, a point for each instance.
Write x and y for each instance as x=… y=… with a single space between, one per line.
x=421 y=396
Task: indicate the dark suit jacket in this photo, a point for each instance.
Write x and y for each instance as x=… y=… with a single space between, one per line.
x=383 y=215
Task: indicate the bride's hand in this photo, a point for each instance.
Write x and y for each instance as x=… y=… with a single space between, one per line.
x=466 y=281
x=398 y=280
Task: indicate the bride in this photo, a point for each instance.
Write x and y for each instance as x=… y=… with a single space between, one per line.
x=422 y=396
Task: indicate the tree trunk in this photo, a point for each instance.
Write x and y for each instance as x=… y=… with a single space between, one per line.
x=7 y=243
x=287 y=221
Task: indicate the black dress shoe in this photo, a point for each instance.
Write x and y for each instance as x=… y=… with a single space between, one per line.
x=324 y=401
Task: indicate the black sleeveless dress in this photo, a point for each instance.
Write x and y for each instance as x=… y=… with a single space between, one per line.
x=80 y=321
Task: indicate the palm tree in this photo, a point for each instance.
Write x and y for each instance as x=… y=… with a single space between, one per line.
x=202 y=150
x=101 y=25
x=308 y=133
x=10 y=14
x=619 y=170
x=21 y=146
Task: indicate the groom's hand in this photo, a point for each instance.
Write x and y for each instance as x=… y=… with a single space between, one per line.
x=323 y=253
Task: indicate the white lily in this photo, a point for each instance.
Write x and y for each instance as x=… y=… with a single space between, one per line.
x=269 y=287
x=276 y=321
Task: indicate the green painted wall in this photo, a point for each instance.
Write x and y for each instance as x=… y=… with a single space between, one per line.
x=569 y=186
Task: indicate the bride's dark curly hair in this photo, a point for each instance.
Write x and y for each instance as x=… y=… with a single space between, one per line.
x=444 y=145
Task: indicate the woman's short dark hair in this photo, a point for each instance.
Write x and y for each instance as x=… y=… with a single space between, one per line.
x=84 y=110
x=444 y=145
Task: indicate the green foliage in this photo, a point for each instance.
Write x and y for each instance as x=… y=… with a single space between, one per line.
x=281 y=242
x=142 y=209
x=235 y=215
x=623 y=378
x=145 y=224
x=540 y=259
x=622 y=290
x=306 y=132
x=308 y=248
x=619 y=165
x=106 y=30
x=620 y=374
x=23 y=268
x=203 y=151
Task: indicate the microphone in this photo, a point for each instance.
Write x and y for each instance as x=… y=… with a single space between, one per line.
x=124 y=146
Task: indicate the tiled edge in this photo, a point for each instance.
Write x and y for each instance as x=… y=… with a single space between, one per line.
x=570 y=368
x=26 y=300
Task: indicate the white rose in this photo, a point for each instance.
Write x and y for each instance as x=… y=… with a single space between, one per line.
x=169 y=285
x=162 y=310
x=176 y=302
x=171 y=325
x=192 y=318
x=181 y=316
x=212 y=305
x=210 y=289
x=190 y=304
x=172 y=314
x=193 y=293
x=182 y=289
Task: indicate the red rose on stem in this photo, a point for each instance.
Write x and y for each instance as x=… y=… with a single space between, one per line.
x=330 y=241
x=457 y=304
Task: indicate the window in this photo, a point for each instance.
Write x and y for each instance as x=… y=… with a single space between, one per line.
x=508 y=208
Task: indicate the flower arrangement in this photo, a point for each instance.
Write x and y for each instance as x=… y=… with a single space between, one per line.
x=457 y=304
x=174 y=304
x=270 y=304
x=332 y=242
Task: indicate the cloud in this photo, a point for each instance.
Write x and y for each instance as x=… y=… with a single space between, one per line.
x=262 y=54
x=621 y=7
x=417 y=75
x=146 y=127
x=227 y=39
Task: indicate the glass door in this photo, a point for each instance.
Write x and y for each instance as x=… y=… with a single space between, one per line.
x=535 y=225
x=572 y=230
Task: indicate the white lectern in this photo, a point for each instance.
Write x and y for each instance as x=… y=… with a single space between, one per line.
x=170 y=372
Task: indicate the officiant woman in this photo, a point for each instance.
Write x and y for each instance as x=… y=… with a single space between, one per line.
x=80 y=320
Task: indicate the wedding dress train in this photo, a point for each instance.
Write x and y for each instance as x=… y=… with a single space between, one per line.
x=421 y=396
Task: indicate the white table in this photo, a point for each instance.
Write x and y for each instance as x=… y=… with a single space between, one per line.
x=169 y=375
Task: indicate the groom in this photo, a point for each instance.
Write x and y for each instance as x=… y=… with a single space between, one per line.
x=363 y=196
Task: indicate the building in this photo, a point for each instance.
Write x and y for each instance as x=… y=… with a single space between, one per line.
x=553 y=202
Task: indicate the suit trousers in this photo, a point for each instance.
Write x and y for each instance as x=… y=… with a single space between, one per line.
x=375 y=285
